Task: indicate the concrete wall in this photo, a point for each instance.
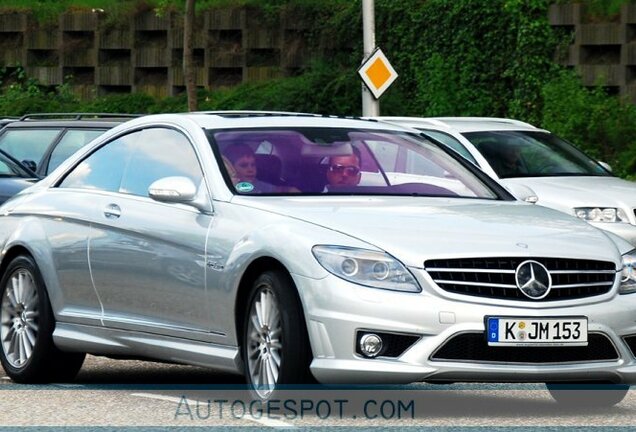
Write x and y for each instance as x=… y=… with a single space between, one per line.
x=146 y=52
x=604 y=53
x=233 y=46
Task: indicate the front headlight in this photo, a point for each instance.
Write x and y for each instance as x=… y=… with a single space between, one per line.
x=600 y=214
x=628 y=275
x=366 y=267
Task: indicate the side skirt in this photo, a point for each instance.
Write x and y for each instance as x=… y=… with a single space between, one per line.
x=108 y=341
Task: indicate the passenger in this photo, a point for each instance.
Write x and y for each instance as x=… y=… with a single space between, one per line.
x=230 y=170
x=243 y=161
x=241 y=156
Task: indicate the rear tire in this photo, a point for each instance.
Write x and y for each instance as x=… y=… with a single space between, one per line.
x=587 y=395
x=275 y=346
x=27 y=352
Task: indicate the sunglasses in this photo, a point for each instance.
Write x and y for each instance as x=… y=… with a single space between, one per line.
x=349 y=170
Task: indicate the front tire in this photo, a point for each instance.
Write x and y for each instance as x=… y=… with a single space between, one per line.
x=589 y=395
x=27 y=352
x=275 y=345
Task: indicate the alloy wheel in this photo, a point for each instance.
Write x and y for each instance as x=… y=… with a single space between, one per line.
x=19 y=314
x=264 y=345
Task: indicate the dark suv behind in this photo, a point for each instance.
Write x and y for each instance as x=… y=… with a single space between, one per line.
x=43 y=141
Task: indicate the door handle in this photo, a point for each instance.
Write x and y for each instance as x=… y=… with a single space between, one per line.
x=112 y=211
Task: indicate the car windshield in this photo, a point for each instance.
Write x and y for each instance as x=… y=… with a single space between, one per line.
x=533 y=154
x=336 y=161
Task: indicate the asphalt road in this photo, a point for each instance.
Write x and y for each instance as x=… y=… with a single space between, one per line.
x=134 y=393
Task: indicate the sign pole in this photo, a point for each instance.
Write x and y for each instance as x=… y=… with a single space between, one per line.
x=370 y=105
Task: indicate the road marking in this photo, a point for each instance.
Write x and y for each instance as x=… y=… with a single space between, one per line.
x=272 y=423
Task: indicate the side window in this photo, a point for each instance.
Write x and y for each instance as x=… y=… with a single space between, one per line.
x=72 y=141
x=386 y=153
x=417 y=164
x=160 y=153
x=28 y=144
x=451 y=142
x=103 y=169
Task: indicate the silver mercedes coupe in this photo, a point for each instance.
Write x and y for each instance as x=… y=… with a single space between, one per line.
x=296 y=247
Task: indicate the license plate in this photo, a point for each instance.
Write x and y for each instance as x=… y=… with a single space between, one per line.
x=514 y=331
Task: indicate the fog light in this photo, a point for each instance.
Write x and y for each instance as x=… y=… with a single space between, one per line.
x=370 y=344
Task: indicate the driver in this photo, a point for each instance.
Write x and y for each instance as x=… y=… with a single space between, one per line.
x=510 y=161
x=344 y=170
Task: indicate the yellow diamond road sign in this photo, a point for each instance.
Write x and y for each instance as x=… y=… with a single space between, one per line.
x=377 y=73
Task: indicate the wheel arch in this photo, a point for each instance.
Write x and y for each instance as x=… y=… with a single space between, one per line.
x=11 y=253
x=253 y=270
x=29 y=239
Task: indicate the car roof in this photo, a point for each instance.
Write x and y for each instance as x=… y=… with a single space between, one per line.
x=74 y=120
x=260 y=119
x=463 y=124
x=62 y=124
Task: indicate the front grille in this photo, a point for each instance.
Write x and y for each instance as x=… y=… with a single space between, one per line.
x=474 y=347
x=495 y=277
x=631 y=343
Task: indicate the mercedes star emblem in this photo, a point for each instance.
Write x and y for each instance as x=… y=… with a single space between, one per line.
x=533 y=279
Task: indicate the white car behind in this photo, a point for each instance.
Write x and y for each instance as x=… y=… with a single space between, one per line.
x=561 y=176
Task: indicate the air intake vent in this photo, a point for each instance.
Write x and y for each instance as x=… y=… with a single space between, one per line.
x=631 y=343
x=495 y=277
x=472 y=347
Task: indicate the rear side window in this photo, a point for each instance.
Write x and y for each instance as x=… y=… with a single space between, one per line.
x=72 y=141
x=28 y=144
x=103 y=169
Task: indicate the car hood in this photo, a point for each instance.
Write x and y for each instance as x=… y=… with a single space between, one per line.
x=416 y=229
x=566 y=193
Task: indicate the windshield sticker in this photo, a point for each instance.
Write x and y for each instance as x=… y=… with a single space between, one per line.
x=244 y=187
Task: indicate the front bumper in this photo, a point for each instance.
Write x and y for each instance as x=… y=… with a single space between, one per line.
x=335 y=310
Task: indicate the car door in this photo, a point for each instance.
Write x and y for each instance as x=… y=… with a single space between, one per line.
x=148 y=258
x=70 y=210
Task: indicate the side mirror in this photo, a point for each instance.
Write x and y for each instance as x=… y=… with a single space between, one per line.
x=523 y=193
x=605 y=165
x=173 y=190
x=180 y=190
x=29 y=164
